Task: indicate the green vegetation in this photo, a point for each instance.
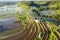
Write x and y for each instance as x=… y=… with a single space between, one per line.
x=51 y=27
x=34 y=23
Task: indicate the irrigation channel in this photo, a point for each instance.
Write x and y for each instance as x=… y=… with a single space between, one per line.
x=32 y=32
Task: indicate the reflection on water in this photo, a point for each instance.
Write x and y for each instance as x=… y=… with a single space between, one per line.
x=7 y=16
x=8 y=25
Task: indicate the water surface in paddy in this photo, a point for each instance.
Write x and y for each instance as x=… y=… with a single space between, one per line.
x=8 y=17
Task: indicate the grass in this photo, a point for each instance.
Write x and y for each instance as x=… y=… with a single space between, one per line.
x=54 y=28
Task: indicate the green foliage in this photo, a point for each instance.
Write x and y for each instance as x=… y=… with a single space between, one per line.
x=27 y=18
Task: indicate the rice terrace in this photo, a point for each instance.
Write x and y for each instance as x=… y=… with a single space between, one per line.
x=30 y=20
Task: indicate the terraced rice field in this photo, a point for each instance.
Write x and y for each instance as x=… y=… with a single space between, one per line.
x=30 y=20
